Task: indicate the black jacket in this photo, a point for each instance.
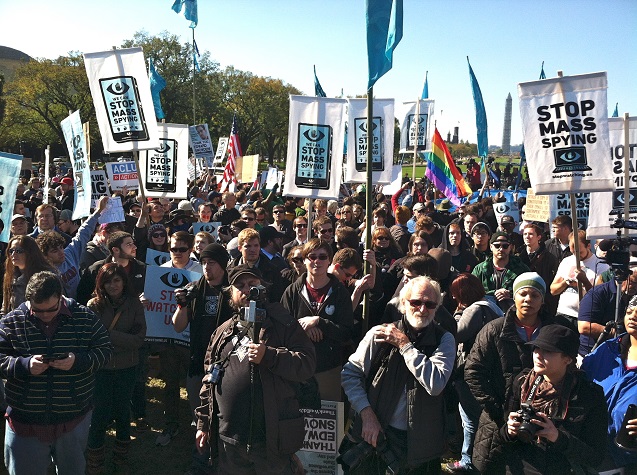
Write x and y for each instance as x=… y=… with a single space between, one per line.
x=136 y=279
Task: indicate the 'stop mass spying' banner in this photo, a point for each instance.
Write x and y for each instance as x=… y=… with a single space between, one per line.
x=123 y=104
x=565 y=124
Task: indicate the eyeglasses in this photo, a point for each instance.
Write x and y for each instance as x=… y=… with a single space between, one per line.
x=298 y=260
x=47 y=310
x=16 y=250
x=349 y=275
x=301 y=226
x=429 y=304
x=382 y=238
x=278 y=211
x=247 y=218
x=504 y=245
x=158 y=235
x=325 y=231
x=178 y=249
x=318 y=257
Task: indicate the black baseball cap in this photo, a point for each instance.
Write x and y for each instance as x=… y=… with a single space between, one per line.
x=557 y=338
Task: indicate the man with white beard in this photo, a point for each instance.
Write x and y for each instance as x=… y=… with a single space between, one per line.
x=394 y=381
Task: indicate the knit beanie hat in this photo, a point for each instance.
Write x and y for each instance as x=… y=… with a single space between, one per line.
x=217 y=253
x=154 y=228
x=530 y=279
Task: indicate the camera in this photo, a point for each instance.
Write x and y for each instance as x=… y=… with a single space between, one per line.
x=527 y=430
x=353 y=457
x=214 y=374
x=257 y=293
x=187 y=294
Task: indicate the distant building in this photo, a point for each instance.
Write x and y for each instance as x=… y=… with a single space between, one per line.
x=506 y=133
x=455 y=135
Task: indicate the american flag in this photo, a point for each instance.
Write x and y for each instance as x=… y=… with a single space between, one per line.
x=234 y=151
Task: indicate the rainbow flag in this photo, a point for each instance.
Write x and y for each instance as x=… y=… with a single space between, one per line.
x=443 y=173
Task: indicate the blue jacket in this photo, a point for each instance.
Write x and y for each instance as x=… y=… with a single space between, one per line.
x=54 y=396
x=605 y=366
x=598 y=306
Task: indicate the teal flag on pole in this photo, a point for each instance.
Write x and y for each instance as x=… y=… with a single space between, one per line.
x=384 y=32
x=157 y=84
x=616 y=113
x=318 y=90
x=481 y=114
x=542 y=75
x=425 y=88
x=189 y=7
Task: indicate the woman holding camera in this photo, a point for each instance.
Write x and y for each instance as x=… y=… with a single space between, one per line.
x=123 y=315
x=613 y=365
x=556 y=420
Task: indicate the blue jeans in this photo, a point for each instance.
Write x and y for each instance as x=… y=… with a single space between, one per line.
x=113 y=389
x=470 y=415
x=29 y=456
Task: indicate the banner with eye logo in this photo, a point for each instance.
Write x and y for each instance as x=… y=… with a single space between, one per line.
x=509 y=208
x=382 y=141
x=159 y=290
x=424 y=116
x=315 y=147
x=565 y=125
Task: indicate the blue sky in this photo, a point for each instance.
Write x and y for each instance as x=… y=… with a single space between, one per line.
x=506 y=41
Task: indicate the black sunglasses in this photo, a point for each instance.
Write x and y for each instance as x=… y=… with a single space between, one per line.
x=178 y=249
x=419 y=303
x=319 y=257
x=504 y=245
x=16 y=250
x=158 y=235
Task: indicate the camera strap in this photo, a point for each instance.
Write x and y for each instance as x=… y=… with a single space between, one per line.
x=225 y=360
x=536 y=384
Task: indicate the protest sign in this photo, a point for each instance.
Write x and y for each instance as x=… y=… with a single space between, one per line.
x=10 y=165
x=156 y=258
x=247 y=168
x=408 y=125
x=163 y=168
x=99 y=186
x=560 y=204
x=565 y=124
x=323 y=435
x=272 y=178
x=123 y=104
x=200 y=142
x=222 y=148
x=76 y=145
x=211 y=227
x=315 y=147
x=509 y=208
x=113 y=213
x=122 y=175
x=47 y=178
x=536 y=207
x=382 y=141
x=159 y=290
x=608 y=206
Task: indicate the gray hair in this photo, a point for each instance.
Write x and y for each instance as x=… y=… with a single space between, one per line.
x=419 y=282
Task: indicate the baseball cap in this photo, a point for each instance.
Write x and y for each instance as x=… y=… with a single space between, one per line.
x=557 y=338
x=18 y=216
x=497 y=235
x=243 y=269
x=67 y=181
x=507 y=219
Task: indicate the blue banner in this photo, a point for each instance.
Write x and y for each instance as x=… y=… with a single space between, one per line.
x=384 y=32
x=10 y=165
x=157 y=84
x=425 y=88
x=481 y=114
x=156 y=258
x=189 y=8
x=318 y=90
x=76 y=145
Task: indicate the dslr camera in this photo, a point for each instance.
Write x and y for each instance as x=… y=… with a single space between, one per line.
x=186 y=294
x=527 y=429
x=353 y=457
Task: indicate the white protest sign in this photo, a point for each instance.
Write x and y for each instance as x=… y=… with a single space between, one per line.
x=156 y=258
x=47 y=179
x=408 y=125
x=222 y=148
x=565 y=124
x=323 y=435
x=123 y=104
x=163 y=168
x=510 y=208
x=272 y=178
x=10 y=165
x=122 y=175
x=200 y=142
x=114 y=212
x=608 y=206
x=212 y=228
x=99 y=186
x=315 y=147
x=76 y=145
x=382 y=141
x=537 y=207
x=159 y=290
x=561 y=205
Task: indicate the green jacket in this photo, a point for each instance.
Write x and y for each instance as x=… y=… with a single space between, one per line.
x=485 y=272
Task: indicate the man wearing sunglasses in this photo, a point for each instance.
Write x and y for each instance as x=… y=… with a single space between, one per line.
x=395 y=381
x=50 y=349
x=300 y=228
x=282 y=224
x=498 y=273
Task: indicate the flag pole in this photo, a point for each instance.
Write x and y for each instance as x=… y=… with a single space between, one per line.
x=368 y=200
x=626 y=170
x=194 y=73
x=416 y=127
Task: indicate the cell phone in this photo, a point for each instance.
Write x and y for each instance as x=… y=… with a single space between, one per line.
x=361 y=144
x=314 y=156
x=124 y=109
x=48 y=359
x=161 y=167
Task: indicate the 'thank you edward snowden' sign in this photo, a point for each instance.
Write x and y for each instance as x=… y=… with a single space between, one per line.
x=315 y=147
x=608 y=206
x=123 y=104
x=565 y=124
x=164 y=169
x=382 y=130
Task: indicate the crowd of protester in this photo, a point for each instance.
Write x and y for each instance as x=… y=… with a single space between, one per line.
x=473 y=338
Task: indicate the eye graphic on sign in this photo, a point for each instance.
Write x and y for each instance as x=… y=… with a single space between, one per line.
x=159 y=260
x=313 y=135
x=569 y=156
x=363 y=126
x=118 y=88
x=163 y=147
x=208 y=228
x=501 y=208
x=174 y=280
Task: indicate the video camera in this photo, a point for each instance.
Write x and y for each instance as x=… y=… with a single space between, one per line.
x=252 y=313
x=617 y=253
